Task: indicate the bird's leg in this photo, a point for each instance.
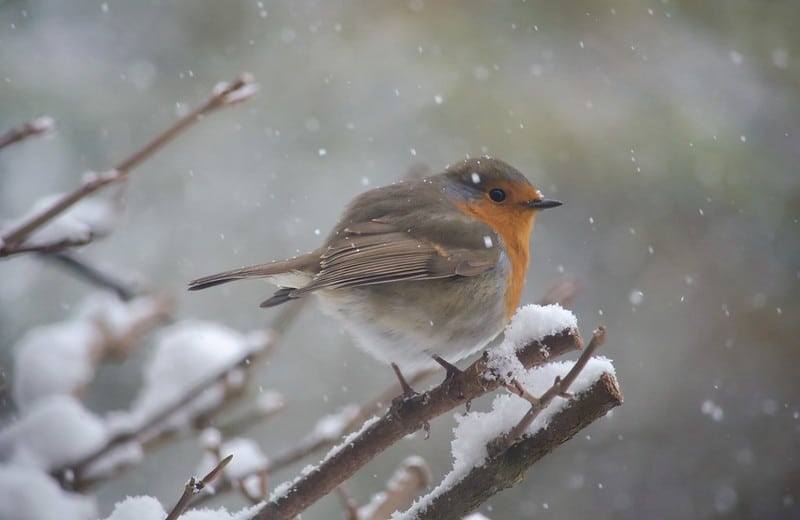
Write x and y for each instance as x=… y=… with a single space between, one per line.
x=405 y=399
x=452 y=370
x=408 y=392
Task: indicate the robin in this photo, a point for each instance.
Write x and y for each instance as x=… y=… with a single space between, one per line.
x=423 y=269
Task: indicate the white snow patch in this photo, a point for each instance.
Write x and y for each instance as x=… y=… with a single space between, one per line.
x=332 y=426
x=247 y=458
x=117 y=316
x=59 y=358
x=284 y=487
x=55 y=431
x=149 y=508
x=85 y=219
x=476 y=429
x=138 y=508
x=124 y=454
x=28 y=494
x=531 y=323
x=53 y=359
x=186 y=354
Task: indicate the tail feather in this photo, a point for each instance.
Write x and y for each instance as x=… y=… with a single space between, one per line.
x=254 y=271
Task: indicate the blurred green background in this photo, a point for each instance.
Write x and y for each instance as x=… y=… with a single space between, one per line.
x=669 y=129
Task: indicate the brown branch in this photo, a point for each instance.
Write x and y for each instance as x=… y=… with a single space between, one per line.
x=412 y=476
x=38 y=126
x=403 y=418
x=78 y=469
x=12 y=241
x=562 y=292
x=193 y=487
x=507 y=468
x=85 y=271
x=558 y=388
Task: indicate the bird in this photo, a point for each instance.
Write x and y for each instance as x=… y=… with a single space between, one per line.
x=422 y=270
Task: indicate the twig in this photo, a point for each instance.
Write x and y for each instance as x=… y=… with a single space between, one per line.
x=91 y=274
x=562 y=292
x=224 y=95
x=38 y=126
x=412 y=476
x=349 y=504
x=313 y=443
x=509 y=467
x=559 y=388
x=403 y=418
x=193 y=487
x=282 y=322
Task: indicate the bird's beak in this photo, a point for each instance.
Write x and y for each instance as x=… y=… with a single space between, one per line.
x=542 y=203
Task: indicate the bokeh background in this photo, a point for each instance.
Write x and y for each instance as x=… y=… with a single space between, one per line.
x=671 y=131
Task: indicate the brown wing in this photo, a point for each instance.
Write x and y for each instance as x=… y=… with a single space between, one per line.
x=375 y=252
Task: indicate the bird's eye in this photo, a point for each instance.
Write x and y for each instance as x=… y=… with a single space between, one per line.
x=497 y=195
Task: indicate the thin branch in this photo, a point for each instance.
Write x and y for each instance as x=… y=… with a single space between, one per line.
x=559 y=388
x=93 y=275
x=78 y=468
x=508 y=468
x=224 y=95
x=194 y=487
x=403 y=418
x=410 y=478
x=314 y=443
x=40 y=125
x=562 y=292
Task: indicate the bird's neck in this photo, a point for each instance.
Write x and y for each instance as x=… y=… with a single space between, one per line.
x=514 y=228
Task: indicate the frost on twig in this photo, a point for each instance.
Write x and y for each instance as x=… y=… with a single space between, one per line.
x=40 y=125
x=65 y=230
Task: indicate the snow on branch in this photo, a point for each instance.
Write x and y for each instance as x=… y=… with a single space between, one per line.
x=40 y=125
x=197 y=369
x=406 y=416
x=58 y=222
x=492 y=450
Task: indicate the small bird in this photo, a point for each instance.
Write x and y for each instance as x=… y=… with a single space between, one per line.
x=421 y=269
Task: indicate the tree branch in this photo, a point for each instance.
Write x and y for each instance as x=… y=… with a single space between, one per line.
x=193 y=487
x=507 y=468
x=12 y=241
x=38 y=126
x=403 y=418
x=92 y=274
x=78 y=468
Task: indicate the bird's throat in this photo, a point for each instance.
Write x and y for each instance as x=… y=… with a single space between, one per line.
x=514 y=226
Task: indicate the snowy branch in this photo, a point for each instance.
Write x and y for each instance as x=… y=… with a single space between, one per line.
x=194 y=486
x=507 y=468
x=324 y=434
x=482 y=467
x=40 y=125
x=190 y=407
x=404 y=417
x=13 y=240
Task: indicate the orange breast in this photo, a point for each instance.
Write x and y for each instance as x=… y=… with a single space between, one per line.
x=514 y=224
